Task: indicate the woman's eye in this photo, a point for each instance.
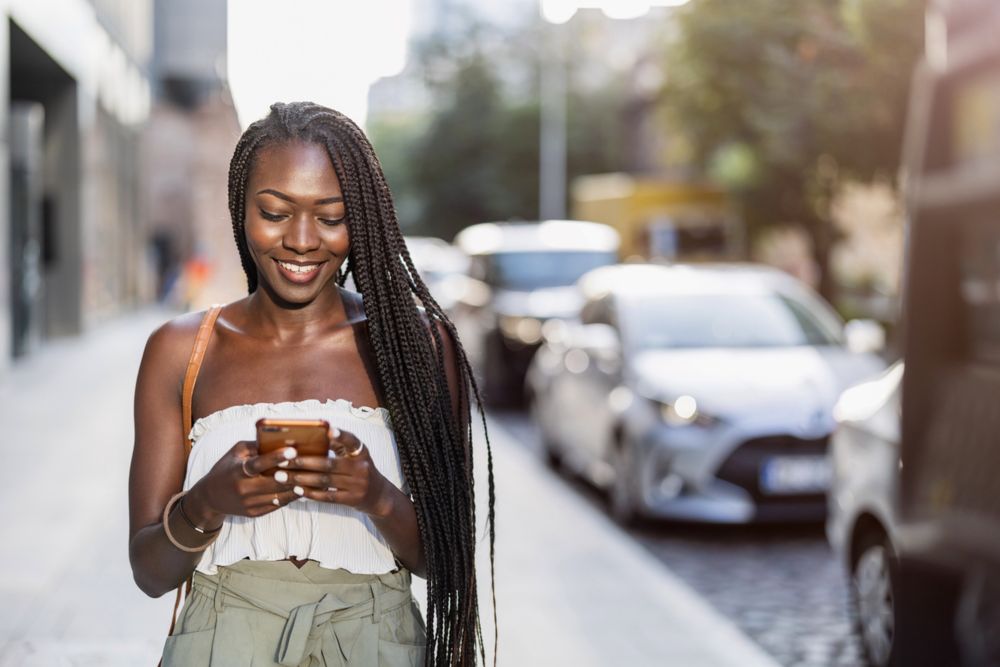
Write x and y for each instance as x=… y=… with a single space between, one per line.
x=333 y=221
x=273 y=217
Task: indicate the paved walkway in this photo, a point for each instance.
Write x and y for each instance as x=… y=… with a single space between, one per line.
x=571 y=588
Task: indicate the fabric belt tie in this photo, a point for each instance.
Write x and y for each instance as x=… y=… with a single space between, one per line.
x=346 y=619
x=298 y=628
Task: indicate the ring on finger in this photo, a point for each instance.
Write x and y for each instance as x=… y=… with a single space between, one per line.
x=361 y=447
x=275 y=501
x=245 y=471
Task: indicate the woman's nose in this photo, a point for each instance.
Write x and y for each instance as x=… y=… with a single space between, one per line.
x=301 y=235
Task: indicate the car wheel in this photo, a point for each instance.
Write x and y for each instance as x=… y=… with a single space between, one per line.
x=622 y=494
x=873 y=593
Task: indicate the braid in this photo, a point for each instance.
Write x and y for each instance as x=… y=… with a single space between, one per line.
x=435 y=448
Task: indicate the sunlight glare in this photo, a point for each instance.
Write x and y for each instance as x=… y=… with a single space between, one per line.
x=326 y=52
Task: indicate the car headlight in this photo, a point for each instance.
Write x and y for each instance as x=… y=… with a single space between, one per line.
x=526 y=330
x=683 y=411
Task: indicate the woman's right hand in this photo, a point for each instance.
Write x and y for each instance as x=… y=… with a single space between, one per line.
x=235 y=485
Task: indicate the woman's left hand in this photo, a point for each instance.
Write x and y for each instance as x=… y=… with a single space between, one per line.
x=350 y=478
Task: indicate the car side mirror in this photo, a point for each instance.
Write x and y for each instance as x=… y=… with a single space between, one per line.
x=864 y=336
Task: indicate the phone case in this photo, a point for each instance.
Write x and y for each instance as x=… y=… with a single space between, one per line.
x=309 y=436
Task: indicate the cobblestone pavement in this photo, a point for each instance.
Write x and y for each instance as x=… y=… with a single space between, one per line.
x=781 y=585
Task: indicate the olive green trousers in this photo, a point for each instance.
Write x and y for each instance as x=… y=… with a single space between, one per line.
x=271 y=613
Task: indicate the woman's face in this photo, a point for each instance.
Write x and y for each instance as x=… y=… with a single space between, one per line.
x=296 y=225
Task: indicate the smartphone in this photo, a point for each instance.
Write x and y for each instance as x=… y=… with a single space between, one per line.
x=309 y=436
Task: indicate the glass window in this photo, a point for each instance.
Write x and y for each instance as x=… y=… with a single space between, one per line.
x=540 y=269
x=725 y=320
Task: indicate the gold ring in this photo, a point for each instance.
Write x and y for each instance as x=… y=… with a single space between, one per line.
x=275 y=501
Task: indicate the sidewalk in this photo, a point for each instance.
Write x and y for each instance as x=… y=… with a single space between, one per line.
x=571 y=588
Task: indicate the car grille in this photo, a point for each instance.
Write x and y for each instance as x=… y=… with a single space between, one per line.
x=742 y=468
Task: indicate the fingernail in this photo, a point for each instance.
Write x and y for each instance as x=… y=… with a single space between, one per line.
x=336 y=433
x=281 y=476
x=299 y=491
x=283 y=464
x=289 y=453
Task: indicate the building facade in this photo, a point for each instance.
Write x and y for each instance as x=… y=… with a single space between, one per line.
x=187 y=143
x=76 y=77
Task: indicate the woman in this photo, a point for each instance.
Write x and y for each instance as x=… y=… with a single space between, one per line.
x=305 y=560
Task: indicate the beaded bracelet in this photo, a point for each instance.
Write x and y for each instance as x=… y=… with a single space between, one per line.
x=166 y=528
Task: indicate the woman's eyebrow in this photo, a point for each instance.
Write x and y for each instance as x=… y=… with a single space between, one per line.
x=282 y=195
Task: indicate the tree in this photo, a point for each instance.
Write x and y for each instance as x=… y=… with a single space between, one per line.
x=474 y=157
x=785 y=100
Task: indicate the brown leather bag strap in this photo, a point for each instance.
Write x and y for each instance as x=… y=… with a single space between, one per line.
x=194 y=365
x=187 y=392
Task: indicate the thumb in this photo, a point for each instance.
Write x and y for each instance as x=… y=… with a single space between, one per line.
x=246 y=448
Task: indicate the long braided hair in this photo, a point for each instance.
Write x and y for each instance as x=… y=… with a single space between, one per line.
x=434 y=448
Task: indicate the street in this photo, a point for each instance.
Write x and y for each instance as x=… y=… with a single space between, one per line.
x=571 y=588
x=780 y=584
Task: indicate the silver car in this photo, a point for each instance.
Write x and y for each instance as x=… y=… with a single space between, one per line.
x=522 y=275
x=863 y=505
x=698 y=392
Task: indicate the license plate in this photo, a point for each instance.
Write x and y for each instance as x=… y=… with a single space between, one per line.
x=795 y=474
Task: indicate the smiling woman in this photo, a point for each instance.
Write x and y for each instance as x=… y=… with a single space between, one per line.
x=295 y=228
x=314 y=553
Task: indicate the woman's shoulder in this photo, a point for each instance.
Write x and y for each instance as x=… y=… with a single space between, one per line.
x=170 y=344
x=354 y=303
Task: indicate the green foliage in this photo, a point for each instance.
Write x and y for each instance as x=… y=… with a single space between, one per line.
x=475 y=157
x=807 y=93
x=393 y=138
x=453 y=164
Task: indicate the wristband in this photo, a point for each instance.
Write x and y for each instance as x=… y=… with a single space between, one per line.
x=170 y=536
x=184 y=514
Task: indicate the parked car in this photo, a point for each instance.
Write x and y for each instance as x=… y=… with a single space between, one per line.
x=864 y=451
x=441 y=265
x=948 y=537
x=521 y=275
x=698 y=392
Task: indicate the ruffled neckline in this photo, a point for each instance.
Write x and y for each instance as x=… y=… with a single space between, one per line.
x=257 y=410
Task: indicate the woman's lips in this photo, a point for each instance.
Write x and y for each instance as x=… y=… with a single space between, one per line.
x=300 y=274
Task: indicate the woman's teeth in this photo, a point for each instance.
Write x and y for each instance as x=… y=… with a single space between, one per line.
x=298 y=268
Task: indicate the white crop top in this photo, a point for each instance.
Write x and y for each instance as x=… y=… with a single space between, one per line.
x=334 y=535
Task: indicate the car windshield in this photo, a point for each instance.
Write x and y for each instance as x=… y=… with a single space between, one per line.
x=539 y=269
x=726 y=320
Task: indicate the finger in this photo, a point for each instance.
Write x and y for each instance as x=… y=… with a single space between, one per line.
x=324 y=480
x=265 y=485
x=267 y=499
x=350 y=465
x=341 y=496
x=245 y=448
x=345 y=443
x=319 y=480
x=312 y=463
x=262 y=462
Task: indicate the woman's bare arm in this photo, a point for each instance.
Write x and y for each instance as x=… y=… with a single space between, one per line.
x=157 y=470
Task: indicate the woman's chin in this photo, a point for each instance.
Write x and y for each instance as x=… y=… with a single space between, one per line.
x=297 y=295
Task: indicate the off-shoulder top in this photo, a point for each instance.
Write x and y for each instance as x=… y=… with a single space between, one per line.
x=336 y=536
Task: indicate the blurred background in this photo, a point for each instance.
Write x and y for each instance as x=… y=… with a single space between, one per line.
x=672 y=235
